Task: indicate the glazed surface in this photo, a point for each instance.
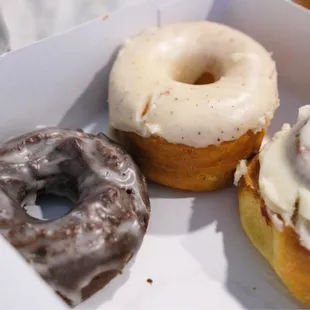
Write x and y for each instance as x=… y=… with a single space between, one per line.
x=152 y=91
x=108 y=222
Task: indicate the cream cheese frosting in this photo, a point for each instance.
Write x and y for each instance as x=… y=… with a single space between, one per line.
x=152 y=91
x=284 y=178
x=240 y=171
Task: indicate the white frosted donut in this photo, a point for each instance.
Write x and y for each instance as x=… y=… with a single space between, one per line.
x=152 y=91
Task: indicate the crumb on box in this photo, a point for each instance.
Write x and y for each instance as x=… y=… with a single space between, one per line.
x=105 y=17
x=150 y=281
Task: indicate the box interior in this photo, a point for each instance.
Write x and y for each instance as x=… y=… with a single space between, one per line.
x=195 y=250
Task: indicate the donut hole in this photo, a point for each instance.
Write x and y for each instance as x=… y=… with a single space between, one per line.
x=49 y=206
x=205 y=78
x=198 y=77
x=197 y=69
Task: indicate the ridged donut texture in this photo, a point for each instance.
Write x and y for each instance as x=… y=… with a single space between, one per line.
x=82 y=251
x=189 y=168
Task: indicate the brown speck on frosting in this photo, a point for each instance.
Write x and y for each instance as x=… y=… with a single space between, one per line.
x=150 y=281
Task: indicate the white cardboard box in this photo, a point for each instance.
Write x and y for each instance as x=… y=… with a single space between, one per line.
x=195 y=249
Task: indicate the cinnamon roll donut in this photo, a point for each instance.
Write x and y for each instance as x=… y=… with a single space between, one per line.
x=81 y=252
x=274 y=202
x=191 y=100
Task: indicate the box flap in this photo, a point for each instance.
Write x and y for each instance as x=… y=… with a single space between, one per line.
x=21 y=288
x=62 y=80
x=173 y=11
x=280 y=25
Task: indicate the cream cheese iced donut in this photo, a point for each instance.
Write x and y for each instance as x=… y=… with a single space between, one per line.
x=193 y=99
x=274 y=200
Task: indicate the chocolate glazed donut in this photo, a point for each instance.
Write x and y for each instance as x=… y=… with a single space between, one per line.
x=82 y=251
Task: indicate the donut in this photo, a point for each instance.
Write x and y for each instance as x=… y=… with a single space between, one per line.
x=304 y=3
x=274 y=196
x=81 y=252
x=190 y=100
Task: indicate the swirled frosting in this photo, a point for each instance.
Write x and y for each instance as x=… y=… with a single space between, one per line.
x=284 y=177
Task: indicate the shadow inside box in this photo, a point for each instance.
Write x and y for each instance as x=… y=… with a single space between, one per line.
x=211 y=220
x=91 y=103
x=172 y=208
x=248 y=276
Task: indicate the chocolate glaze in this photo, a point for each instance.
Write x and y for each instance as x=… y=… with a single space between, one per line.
x=105 y=227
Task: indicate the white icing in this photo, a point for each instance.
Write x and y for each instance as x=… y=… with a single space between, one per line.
x=305 y=137
x=303 y=112
x=155 y=71
x=40 y=126
x=276 y=177
x=30 y=199
x=277 y=222
x=240 y=171
x=280 y=182
x=303 y=228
